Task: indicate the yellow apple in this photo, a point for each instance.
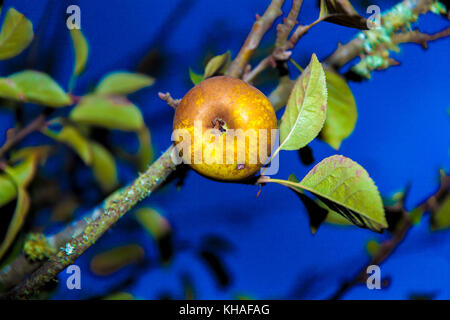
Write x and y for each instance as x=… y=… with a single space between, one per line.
x=224 y=128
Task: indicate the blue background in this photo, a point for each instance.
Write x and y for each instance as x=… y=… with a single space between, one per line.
x=402 y=136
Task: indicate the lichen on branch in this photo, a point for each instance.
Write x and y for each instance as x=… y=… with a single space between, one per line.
x=97 y=224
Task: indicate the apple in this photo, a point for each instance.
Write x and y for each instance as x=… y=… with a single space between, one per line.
x=227 y=127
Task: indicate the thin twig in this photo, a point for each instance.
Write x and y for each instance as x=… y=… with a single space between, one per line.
x=300 y=31
x=260 y=67
x=258 y=30
x=347 y=52
x=389 y=246
x=16 y=137
x=169 y=100
x=282 y=52
x=285 y=28
x=100 y=221
x=279 y=52
x=419 y=37
x=19 y=269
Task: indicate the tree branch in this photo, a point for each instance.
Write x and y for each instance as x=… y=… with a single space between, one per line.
x=281 y=52
x=102 y=219
x=419 y=37
x=97 y=224
x=16 y=137
x=169 y=100
x=389 y=246
x=259 y=28
x=285 y=28
x=345 y=53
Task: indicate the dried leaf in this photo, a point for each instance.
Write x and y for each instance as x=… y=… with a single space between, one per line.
x=342 y=12
x=217 y=65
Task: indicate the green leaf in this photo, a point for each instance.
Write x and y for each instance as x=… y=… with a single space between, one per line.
x=104 y=167
x=111 y=261
x=33 y=154
x=341 y=111
x=7 y=190
x=342 y=12
x=441 y=218
x=155 y=223
x=145 y=152
x=16 y=34
x=316 y=213
x=23 y=173
x=120 y=296
x=112 y=112
x=74 y=139
x=416 y=215
x=335 y=218
x=123 y=83
x=36 y=87
x=15 y=250
x=372 y=247
x=306 y=108
x=195 y=77
x=20 y=213
x=217 y=65
x=10 y=90
x=346 y=188
x=81 y=48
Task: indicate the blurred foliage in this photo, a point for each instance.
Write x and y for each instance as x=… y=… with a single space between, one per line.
x=106 y=108
x=35 y=87
x=341 y=111
x=16 y=34
x=81 y=48
x=111 y=261
x=337 y=190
